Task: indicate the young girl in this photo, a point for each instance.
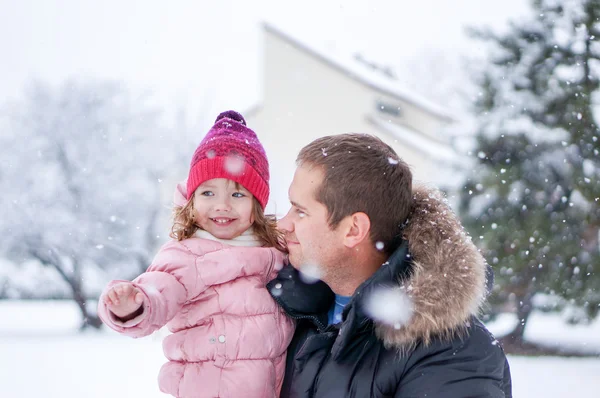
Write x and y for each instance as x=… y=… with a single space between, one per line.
x=208 y=283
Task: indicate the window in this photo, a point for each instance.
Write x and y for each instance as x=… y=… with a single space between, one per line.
x=389 y=109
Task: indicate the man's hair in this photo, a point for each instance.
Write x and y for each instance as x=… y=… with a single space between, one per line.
x=362 y=174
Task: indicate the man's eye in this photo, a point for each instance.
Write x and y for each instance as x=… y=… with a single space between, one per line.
x=238 y=195
x=207 y=193
x=300 y=213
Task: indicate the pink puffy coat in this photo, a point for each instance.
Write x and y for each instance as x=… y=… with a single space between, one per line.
x=229 y=336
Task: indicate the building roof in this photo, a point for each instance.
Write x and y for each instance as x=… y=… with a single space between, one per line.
x=377 y=79
x=441 y=152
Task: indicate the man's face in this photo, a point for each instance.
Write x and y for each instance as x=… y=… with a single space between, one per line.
x=310 y=240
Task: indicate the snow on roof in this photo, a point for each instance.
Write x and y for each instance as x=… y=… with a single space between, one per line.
x=381 y=80
x=439 y=151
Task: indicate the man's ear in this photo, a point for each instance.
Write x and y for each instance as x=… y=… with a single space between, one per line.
x=358 y=229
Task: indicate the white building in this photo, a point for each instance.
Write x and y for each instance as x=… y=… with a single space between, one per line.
x=307 y=93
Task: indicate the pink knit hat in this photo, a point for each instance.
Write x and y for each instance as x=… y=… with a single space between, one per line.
x=231 y=150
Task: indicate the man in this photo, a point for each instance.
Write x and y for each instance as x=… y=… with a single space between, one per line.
x=394 y=314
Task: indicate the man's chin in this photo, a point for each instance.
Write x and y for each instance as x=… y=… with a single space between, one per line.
x=295 y=261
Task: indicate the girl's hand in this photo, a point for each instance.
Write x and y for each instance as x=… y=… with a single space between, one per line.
x=124 y=299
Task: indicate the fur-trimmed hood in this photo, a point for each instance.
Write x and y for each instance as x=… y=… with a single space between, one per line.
x=447 y=282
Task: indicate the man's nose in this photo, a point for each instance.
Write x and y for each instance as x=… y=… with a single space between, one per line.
x=285 y=223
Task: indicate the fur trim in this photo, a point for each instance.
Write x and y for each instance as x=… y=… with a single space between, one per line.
x=447 y=285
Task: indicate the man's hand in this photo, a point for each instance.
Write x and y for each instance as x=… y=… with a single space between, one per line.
x=124 y=299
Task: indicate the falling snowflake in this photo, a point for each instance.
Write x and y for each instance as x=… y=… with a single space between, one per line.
x=390 y=306
x=234 y=165
x=310 y=273
x=276 y=290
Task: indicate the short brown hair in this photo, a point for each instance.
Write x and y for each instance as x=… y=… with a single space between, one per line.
x=362 y=174
x=264 y=226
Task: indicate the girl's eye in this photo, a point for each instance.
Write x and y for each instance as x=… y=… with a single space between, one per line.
x=207 y=193
x=238 y=195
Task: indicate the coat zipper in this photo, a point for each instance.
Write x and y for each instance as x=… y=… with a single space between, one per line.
x=313 y=318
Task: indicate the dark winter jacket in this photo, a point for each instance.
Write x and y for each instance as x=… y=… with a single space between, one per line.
x=442 y=351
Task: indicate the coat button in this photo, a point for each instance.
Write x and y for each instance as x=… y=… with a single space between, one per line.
x=222 y=338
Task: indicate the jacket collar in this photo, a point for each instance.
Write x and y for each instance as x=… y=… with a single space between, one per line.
x=301 y=300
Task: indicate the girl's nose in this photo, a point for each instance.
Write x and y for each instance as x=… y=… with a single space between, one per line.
x=223 y=206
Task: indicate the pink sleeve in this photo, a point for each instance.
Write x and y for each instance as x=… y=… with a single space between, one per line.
x=281 y=259
x=167 y=285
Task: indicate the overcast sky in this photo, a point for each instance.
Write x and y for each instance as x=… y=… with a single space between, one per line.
x=187 y=51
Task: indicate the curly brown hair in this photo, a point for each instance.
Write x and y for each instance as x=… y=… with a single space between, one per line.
x=265 y=225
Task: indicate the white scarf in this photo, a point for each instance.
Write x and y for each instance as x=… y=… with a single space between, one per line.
x=247 y=239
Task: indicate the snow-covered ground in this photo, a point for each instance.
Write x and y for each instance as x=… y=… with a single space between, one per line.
x=43 y=355
x=551 y=330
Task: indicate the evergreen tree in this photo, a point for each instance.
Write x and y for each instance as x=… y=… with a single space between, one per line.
x=533 y=201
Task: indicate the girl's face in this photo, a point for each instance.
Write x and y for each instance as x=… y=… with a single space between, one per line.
x=222 y=209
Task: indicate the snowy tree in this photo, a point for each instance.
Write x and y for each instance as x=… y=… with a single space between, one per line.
x=80 y=181
x=532 y=201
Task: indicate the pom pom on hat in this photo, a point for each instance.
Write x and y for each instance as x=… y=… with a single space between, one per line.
x=231 y=115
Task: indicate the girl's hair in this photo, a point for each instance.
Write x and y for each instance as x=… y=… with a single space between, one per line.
x=265 y=225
